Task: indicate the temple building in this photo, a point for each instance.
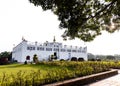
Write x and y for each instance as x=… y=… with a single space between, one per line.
x=25 y=50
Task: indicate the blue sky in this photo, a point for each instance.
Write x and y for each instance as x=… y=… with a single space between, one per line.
x=20 y=18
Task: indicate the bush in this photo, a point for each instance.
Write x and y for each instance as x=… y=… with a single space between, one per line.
x=35 y=58
x=4 y=61
x=91 y=59
x=25 y=62
x=62 y=60
x=73 y=59
x=80 y=59
x=98 y=59
x=15 y=61
x=55 y=71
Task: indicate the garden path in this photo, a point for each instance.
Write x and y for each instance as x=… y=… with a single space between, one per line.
x=111 y=81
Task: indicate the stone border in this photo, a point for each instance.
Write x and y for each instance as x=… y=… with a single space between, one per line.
x=85 y=79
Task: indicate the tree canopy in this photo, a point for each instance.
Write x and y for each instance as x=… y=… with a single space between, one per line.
x=84 y=19
x=6 y=54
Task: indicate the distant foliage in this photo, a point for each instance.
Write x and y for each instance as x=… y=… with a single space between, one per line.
x=4 y=61
x=5 y=58
x=110 y=57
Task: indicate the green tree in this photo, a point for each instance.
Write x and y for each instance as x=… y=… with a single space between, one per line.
x=110 y=57
x=84 y=19
x=6 y=54
x=35 y=58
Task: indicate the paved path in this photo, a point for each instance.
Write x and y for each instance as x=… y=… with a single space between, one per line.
x=111 y=81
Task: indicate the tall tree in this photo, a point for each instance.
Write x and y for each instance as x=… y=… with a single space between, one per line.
x=84 y=19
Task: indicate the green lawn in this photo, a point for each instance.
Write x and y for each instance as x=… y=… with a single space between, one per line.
x=18 y=71
x=48 y=72
x=14 y=68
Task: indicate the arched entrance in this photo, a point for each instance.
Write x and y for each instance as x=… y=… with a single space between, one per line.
x=28 y=57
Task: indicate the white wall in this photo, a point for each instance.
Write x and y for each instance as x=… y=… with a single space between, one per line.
x=21 y=52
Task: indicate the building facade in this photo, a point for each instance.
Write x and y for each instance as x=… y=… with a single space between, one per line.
x=26 y=50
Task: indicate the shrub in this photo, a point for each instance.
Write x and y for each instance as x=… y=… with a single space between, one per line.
x=91 y=59
x=80 y=59
x=4 y=61
x=62 y=60
x=73 y=59
x=15 y=61
x=25 y=62
x=35 y=58
x=55 y=71
x=98 y=59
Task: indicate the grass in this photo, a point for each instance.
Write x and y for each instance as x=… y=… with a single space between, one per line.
x=48 y=72
x=14 y=68
x=11 y=73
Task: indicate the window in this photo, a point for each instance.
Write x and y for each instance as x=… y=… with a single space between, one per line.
x=83 y=51
x=62 y=50
x=48 y=49
x=56 y=45
x=73 y=50
x=68 y=50
x=56 y=49
x=79 y=51
x=33 y=48
x=37 y=48
x=30 y=48
x=40 y=48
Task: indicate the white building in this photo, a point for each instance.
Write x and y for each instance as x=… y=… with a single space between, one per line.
x=44 y=51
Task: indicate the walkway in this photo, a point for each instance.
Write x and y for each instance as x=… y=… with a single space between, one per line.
x=111 y=81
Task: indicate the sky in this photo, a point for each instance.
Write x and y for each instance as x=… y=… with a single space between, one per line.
x=19 y=18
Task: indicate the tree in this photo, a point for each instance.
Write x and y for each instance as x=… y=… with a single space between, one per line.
x=110 y=57
x=84 y=19
x=4 y=57
x=6 y=54
x=35 y=58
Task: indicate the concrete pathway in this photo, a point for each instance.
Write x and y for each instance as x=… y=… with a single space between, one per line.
x=111 y=81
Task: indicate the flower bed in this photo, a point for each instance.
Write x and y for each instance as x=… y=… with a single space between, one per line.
x=85 y=80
